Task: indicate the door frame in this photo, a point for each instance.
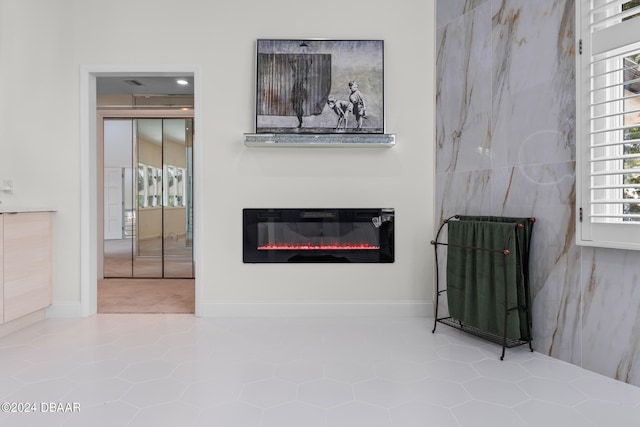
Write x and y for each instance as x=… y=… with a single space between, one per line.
x=91 y=174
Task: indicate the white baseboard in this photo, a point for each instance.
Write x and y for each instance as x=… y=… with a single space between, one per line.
x=64 y=310
x=284 y=309
x=315 y=309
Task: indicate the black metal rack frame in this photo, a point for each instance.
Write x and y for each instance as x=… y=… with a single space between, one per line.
x=503 y=340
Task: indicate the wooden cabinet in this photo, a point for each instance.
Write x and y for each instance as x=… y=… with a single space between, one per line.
x=27 y=263
x=1 y=268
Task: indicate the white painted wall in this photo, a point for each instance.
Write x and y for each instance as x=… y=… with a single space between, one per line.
x=43 y=45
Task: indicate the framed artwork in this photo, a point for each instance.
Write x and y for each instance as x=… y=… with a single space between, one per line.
x=320 y=86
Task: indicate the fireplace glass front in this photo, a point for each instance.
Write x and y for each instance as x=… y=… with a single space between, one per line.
x=318 y=235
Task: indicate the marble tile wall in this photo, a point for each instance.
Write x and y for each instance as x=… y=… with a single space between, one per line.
x=505 y=135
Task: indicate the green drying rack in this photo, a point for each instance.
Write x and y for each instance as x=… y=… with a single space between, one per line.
x=488 y=291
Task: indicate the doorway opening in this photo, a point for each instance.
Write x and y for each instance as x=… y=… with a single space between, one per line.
x=145 y=196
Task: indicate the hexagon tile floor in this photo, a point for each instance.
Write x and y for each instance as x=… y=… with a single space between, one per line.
x=180 y=371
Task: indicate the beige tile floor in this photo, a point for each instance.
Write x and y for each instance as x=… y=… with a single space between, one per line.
x=146 y=296
x=179 y=370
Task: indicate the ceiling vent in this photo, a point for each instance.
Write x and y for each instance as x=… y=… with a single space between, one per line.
x=133 y=83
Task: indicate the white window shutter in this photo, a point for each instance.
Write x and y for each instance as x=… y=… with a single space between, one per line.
x=608 y=123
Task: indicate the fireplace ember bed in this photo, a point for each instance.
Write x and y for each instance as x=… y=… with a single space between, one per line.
x=318 y=235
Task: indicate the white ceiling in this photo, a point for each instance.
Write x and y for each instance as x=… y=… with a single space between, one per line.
x=149 y=85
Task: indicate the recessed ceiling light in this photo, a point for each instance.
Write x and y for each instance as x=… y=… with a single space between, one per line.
x=182 y=82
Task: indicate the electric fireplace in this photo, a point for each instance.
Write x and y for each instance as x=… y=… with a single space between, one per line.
x=318 y=235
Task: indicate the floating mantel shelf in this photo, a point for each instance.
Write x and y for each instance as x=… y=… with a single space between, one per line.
x=372 y=140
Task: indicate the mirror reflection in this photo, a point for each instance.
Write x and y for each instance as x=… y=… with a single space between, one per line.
x=148 y=198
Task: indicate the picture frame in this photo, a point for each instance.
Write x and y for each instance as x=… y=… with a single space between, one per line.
x=319 y=86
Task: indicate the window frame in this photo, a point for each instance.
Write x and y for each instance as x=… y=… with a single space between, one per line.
x=612 y=232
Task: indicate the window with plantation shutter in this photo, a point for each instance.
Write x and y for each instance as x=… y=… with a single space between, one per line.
x=608 y=123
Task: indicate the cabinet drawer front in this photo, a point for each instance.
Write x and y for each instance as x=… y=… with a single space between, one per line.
x=27 y=263
x=2 y=268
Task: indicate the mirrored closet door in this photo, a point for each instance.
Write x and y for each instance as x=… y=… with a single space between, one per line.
x=148 y=198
